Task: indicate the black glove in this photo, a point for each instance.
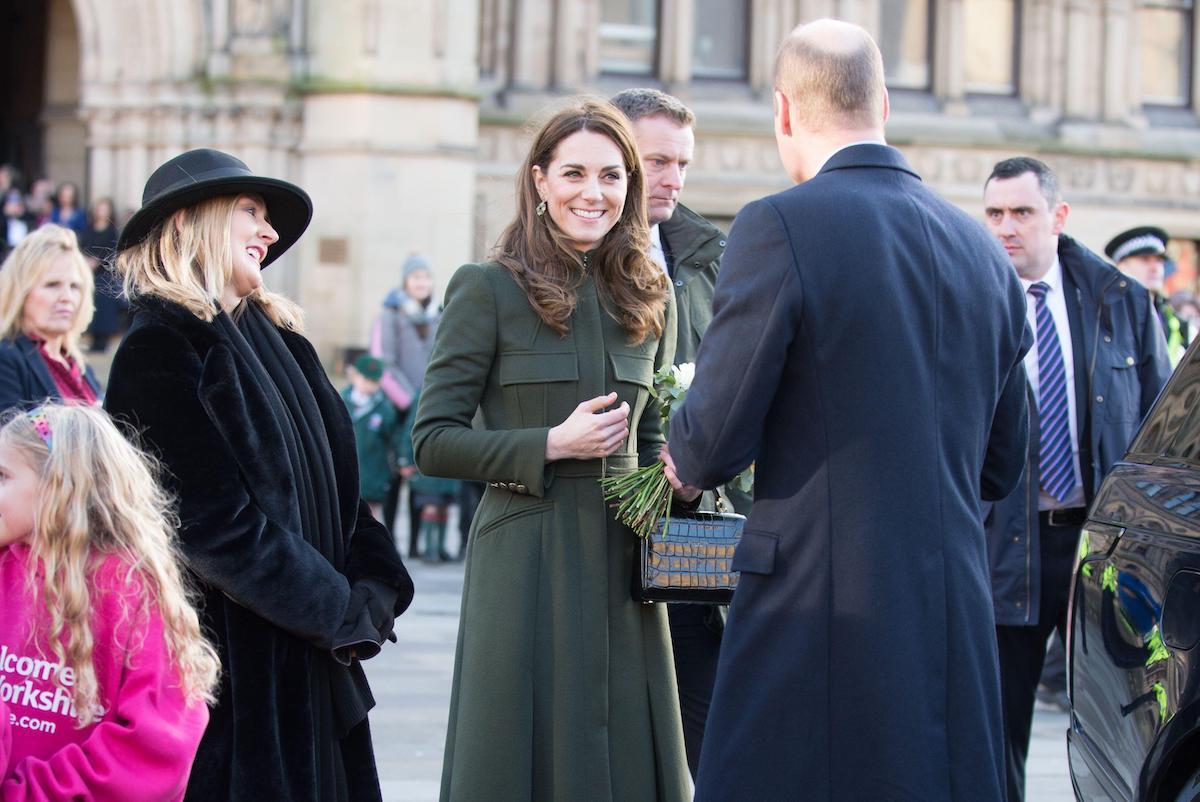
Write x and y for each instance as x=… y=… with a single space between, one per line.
x=369 y=621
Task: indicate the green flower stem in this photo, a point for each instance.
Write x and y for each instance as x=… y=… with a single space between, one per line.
x=642 y=498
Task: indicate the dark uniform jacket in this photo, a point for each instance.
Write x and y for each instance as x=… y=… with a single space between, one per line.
x=1120 y=367
x=859 y=658
x=694 y=246
x=25 y=381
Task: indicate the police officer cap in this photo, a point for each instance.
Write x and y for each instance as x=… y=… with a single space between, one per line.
x=1137 y=242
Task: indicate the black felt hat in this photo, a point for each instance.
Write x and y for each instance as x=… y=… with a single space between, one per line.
x=201 y=174
x=1136 y=242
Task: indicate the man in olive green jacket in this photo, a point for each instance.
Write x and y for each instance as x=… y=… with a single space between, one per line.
x=689 y=249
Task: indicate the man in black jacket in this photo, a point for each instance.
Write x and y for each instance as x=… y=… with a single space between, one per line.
x=689 y=249
x=1098 y=362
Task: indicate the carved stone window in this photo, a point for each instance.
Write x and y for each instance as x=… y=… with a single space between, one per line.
x=990 y=28
x=904 y=37
x=1165 y=41
x=720 y=39
x=628 y=36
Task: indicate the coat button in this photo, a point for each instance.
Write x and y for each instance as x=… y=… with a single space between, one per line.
x=1016 y=538
x=678 y=282
x=522 y=489
x=1124 y=283
x=1107 y=338
x=1019 y=604
x=721 y=243
x=1099 y=399
x=1128 y=360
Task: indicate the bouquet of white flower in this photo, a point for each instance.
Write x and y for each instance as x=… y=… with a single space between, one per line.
x=643 y=497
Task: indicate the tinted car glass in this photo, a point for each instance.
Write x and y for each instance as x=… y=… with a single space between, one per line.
x=1172 y=429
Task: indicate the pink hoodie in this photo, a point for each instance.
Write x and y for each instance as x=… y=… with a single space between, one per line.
x=140 y=748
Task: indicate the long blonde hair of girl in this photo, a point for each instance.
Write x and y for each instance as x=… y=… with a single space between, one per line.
x=190 y=263
x=97 y=497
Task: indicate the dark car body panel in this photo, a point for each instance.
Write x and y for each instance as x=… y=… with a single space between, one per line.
x=1135 y=611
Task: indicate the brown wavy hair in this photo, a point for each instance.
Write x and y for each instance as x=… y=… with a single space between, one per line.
x=541 y=258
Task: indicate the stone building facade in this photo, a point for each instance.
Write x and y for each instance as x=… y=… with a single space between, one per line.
x=407 y=119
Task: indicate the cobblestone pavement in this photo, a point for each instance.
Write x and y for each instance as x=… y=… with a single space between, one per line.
x=411 y=682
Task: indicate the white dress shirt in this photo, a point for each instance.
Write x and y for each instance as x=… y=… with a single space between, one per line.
x=656 y=250
x=1057 y=302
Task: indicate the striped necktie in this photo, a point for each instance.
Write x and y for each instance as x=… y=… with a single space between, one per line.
x=1055 y=464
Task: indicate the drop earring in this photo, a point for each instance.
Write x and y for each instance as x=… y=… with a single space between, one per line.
x=541 y=209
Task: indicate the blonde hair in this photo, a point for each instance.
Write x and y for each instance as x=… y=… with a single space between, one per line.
x=832 y=72
x=190 y=264
x=24 y=268
x=98 y=497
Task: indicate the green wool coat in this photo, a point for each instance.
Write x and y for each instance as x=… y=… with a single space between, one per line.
x=564 y=688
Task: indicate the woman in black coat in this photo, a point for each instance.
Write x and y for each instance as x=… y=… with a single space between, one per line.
x=45 y=305
x=299 y=582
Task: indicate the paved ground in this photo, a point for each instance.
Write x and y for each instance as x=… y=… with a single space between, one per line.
x=411 y=682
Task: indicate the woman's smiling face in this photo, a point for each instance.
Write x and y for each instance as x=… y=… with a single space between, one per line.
x=250 y=235
x=584 y=187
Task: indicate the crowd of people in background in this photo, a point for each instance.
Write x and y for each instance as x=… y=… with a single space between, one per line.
x=95 y=228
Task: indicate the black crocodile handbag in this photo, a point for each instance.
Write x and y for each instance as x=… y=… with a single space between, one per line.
x=688 y=558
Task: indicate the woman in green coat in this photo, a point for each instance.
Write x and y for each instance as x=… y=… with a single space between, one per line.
x=564 y=687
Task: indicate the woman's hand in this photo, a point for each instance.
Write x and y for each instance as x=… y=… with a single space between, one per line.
x=589 y=433
x=685 y=493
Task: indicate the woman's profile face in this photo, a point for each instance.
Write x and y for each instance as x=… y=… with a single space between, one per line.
x=250 y=235
x=53 y=305
x=584 y=187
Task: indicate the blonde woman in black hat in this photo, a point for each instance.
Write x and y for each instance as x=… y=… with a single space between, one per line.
x=299 y=583
x=1142 y=254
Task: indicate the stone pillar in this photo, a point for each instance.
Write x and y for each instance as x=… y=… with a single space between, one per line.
x=949 y=57
x=390 y=131
x=1083 y=69
x=530 y=57
x=64 y=135
x=1121 y=63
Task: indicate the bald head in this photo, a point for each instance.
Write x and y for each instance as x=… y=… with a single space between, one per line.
x=832 y=74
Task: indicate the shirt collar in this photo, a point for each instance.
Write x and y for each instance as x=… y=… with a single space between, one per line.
x=1053 y=279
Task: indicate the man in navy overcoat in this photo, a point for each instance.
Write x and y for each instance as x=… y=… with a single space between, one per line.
x=866 y=352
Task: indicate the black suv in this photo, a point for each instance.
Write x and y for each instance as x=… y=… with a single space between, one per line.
x=1135 y=614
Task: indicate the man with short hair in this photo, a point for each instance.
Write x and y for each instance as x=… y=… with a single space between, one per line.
x=1141 y=253
x=689 y=249
x=1097 y=364
x=859 y=655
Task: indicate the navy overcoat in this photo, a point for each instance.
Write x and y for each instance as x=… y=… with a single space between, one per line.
x=866 y=351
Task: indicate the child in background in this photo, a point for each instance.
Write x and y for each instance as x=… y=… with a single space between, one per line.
x=104 y=673
x=431 y=495
x=376 y=430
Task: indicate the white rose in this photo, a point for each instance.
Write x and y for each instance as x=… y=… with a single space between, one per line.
x=684 y=374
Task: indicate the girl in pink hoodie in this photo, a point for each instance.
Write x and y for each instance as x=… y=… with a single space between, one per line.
x=104 y=673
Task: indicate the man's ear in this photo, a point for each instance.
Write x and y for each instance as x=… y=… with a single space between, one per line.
x=887 y=105
x=1060 y=217
x=783 y=114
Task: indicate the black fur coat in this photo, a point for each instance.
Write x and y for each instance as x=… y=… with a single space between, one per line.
x=273 y=604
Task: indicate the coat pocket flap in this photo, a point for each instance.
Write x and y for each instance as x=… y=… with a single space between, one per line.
x=534 y=367
x=633 y=368
x=756 y=553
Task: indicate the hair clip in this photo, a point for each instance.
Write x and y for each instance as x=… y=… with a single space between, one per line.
x=42 y=423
